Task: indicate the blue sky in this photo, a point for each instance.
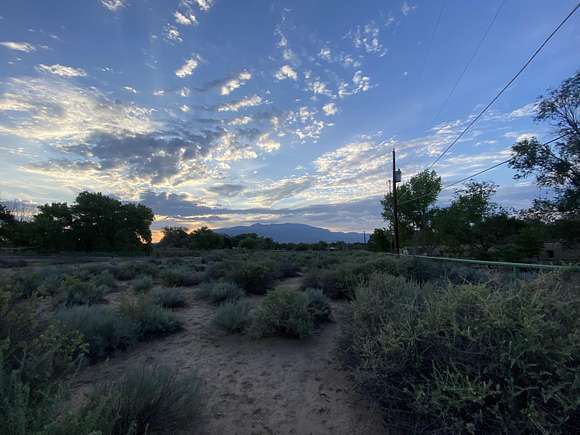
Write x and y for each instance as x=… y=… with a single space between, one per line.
x=227 y=112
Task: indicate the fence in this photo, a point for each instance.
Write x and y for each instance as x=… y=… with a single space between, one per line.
x=515 y=267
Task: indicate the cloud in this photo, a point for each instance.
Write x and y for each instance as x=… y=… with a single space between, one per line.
x=282 y=189
x=18 y=46
x=159 y=92
x=325 y=54
x=52 y=109
x=267 y=144
x=62 y=70
x=228 y=190
x=367 y=39
x=330 y=109
x=130 y=89
x=172 y=34
x=286 y=72
x=319 y=87
x=529 y=109
x=234 y=106
x=407 y=8
x=185 y=108
x=114 y=5
x=187 y=19
x=188 y=67
x=241 y=120
x=361 y=83
x=184 y=91
x=232 y=84
x=204 y=5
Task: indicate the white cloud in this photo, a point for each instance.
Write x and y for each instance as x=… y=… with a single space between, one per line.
x=62 y=70
x=367 y=39
x=231 y=85
x=330 y=109
x=185 y=20
x=188 y=67
x=325 y=54
x=361 y=83
x=252 y=101
x=241 y=120
x=159 y=92
x=172 y=34
x=407 y=8
x=286 y=72
x=184 y=91
x=130 y=89
x=204 y=5
x=19 y=46
x=267 y=144
x=114 y=5
x=53 y=110
x=184 y=108
x=318 y=87
x=524 y=111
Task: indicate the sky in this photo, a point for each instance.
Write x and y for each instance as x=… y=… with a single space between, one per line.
x=221 y=113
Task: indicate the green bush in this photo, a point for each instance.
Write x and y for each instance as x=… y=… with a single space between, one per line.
x=468 y=358
x=283 y=312
x=104 y=279
x=318 y=305
x=336 y=283
x=143 y=283
x=221 y=291
x=254 y=278
x=104 y=329
x=180 y=277
x=74 y=291
x=233 y=316
x=151 y=319
x=169 y=297
x=145 y=400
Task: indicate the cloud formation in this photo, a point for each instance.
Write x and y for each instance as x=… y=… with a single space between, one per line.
x=113 y=5
x=62 y=70
x=254 y=100
x=18 y=46
x=188 y=67
x=286 y=72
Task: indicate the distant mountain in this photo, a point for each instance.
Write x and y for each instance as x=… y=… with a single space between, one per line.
x=293 y=233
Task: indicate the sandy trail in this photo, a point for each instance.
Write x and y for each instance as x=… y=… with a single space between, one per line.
x=267 y=386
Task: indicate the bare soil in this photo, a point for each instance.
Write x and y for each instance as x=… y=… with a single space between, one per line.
x=267 y=386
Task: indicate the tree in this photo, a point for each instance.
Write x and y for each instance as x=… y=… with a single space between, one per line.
x=555 y=165
x=175 y=237
x=416 y=198
x=53 y=227
x=204 y=238
x=7 y=222
x=380 y=240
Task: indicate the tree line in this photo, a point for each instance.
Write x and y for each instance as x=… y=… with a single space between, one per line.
x=94 y=222
x=473 y=224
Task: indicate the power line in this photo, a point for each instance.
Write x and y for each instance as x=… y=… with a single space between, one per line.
x=483 y=171
x=469 y=62
x=513 y=79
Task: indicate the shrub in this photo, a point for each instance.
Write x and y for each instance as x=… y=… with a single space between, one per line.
x=468 y=358
x=145 y=400
x=318 y=305
x=23 y=285
x=169 y=297
x=104 y=329
x=142 y=284
x=283 y=312
x=104 y=279
x=151 y=319
x=77 y=292
x=218 y=292
x=233 y=316
x=253 y=277
x=180 y=277
x=337 y=283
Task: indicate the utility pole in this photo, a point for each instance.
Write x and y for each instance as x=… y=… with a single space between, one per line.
x=396 y=178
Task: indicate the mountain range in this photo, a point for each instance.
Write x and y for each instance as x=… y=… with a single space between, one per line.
x=294 y=233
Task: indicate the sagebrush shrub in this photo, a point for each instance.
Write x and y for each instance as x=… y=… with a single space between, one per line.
x=468 y=358
x=283 y=312
x=144 y=401
x=233 y=316
x=253 y=277
x=180 y=277
x=142 y=284
x=151 y=319
x=169 y=297
x=318 y=305
x=104 y=330
x=220 y=291
x=74 y=291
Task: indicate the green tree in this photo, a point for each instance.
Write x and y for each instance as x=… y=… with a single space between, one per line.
x=416 y=199
x=555 y=165
x=175 y=237
x=53 y=227
x=380 y=240
x=7 y=223
x=204 y=238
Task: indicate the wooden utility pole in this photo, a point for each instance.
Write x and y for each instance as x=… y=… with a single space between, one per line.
x=395 y=208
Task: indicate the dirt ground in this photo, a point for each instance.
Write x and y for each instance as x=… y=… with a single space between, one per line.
x=267 y=386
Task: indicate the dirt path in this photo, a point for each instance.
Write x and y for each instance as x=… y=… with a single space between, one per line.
x=268 y=386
